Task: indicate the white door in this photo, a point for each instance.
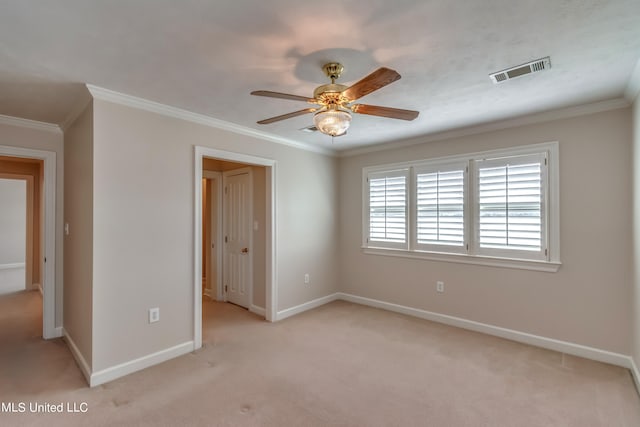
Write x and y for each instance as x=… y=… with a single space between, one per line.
x=237 y=236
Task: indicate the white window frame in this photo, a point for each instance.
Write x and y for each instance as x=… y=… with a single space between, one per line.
x=434 y=167
x=540 y=157
x=388 y=173
x=549 y=262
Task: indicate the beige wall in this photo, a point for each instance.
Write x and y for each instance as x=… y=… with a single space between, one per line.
x=143 y=226
x=129 y=202
x=78 y=245
x=585 y=302
x=36 y=139
x=635 y=300
x=13 y=221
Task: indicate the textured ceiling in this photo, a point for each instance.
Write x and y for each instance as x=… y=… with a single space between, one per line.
x=206 y=56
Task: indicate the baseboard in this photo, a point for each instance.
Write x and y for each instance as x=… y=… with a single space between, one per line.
x=209 y=293
x=260 y=311
x=12 y=266
x=82 y=363
x=58 y=332
x=523 y=337
x=635 y=374
x=110 y=374
x=38 y=286
x=579 y=350
x=306 y=306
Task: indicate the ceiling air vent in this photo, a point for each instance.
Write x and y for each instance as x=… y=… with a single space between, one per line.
x=521 y=70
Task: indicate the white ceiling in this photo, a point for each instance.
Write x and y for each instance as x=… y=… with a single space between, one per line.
x=206 y=56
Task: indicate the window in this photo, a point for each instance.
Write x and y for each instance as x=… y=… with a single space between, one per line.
x=510 y=208
x=388 y=208
x=497 y=208
x=440 y=207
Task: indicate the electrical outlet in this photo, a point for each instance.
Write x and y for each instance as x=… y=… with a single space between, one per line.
x=307 y=279
x=154 y=315
x=440 y=286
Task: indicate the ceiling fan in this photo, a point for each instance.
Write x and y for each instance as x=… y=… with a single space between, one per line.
x=334 y=102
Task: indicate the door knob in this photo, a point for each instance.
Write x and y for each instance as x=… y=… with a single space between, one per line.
x=245 y=250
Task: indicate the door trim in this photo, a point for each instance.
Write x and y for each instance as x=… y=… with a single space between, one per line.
x=48 y=269
x=271 y=283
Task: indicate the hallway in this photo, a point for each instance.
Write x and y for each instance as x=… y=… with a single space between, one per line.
x=30 y=365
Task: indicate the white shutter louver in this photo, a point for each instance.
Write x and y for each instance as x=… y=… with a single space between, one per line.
x=440 y=207
x=510 y=203
x=388 y=207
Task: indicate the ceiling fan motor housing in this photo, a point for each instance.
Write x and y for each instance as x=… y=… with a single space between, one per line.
x=330 y=94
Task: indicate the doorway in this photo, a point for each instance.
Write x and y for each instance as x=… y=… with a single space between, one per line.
x=233 y=189
x=13 y=229
x=40 y=256
x=233 y=201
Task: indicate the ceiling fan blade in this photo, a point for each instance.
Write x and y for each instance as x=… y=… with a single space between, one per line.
x=287 y=116
x=374 y=81
x=392 y=113
x=280 y=95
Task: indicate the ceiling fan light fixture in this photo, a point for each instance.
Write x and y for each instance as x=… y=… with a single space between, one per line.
x=333 y=121
x=334 y=102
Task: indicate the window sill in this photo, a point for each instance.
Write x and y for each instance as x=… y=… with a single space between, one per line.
x=546 y=266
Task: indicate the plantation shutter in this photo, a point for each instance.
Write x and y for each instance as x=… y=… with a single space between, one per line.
x=440 y=200
x=388 y=208
x=511 y=199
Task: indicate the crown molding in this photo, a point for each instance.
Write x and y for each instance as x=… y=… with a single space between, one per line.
x=633 y=86
x=75 y=112
x=29 y=124
x=178 y=113
x=547 y=116
x=174 y=112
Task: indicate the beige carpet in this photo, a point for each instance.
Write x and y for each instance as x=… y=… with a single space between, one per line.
x=339 y=365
